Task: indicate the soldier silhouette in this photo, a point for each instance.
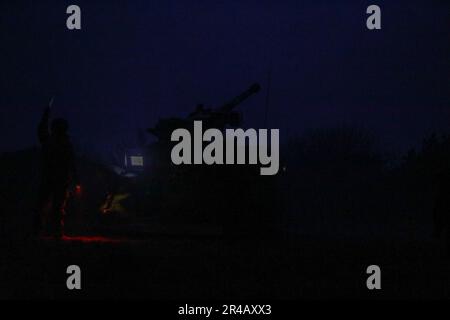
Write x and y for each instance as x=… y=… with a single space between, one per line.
x=58 y=172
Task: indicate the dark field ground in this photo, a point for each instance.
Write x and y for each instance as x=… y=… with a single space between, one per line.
x=211 y=267
x=322 y=251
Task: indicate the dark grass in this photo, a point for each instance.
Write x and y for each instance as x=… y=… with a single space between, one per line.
x=223 y=268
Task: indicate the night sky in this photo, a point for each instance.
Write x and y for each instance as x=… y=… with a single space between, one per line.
x=136 y=61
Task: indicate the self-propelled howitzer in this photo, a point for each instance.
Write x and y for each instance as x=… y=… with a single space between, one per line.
x=211 y=118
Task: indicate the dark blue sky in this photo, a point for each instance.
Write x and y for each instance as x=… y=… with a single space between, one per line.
x=136 y=61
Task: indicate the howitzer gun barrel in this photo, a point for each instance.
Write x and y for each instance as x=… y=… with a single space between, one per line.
x=230 y=105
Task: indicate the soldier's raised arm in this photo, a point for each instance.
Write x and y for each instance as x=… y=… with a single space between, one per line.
x=43 y=132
